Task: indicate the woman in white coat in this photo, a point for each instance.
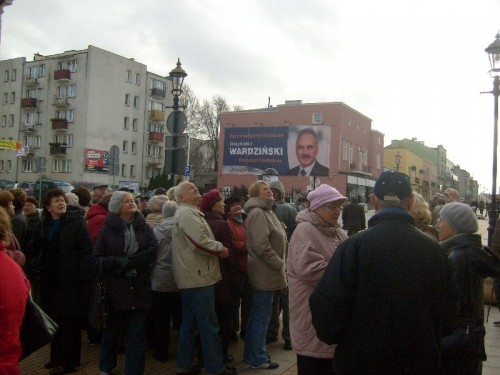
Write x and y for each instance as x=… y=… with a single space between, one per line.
x=311 y=247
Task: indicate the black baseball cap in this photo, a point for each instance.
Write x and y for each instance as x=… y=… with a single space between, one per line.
x=392 y=185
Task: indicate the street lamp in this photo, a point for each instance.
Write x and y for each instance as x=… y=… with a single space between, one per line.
x=493 y=51
x=176 y=124
x=398 y=161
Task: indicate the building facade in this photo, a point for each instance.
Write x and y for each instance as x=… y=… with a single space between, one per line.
x=349 y=151
x=70 y=109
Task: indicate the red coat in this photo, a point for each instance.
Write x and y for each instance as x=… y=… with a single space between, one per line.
x=239 y=235
x=95 y=219
x=14 y=291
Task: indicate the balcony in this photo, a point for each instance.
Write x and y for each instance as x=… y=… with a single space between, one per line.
x=28 y=128
x=28 y=102
x=30 y=81
x=59 y=124
x=157 y=115
x=62 y=75
x=30 y=151
x=57 y=149
x=159 y=93
x=155 y=137
x=60 y=101
x=153 y=160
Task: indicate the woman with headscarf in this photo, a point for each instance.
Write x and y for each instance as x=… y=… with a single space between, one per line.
x=311 y=247
x=126 y=246
x=470 y=264
x=266 y=244
x=67 y=266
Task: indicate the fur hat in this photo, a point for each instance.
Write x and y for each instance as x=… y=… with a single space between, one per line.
x=156 y=202
x=208 y=200
x=322 y=195
x=115 y=202
x=460 y=217
x=72 y=199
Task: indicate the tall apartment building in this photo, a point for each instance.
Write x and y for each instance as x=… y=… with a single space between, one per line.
x=70 y=109
x=348 y=150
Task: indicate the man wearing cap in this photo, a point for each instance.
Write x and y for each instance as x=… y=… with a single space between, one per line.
x=386 y=297
x=98 y=192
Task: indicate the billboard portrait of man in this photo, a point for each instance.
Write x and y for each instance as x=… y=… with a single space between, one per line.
x=307 y=148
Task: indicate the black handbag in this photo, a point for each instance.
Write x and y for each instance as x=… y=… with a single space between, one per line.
x=37 y=329
x=99 y=303
x=465 y=342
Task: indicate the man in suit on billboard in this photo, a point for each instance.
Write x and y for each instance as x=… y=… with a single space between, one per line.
x=306 y=149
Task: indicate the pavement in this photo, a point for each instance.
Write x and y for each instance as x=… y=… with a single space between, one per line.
x=33 y=365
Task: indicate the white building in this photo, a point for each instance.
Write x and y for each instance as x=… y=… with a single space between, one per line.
x=71 y=108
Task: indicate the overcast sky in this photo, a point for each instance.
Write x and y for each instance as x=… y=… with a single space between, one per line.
x=415 y=67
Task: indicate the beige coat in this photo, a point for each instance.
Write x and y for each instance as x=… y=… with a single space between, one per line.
x=266 y=244
x=195 y=251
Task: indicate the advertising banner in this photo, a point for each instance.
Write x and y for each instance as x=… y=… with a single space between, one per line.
x=96 y=160
x=300 y=150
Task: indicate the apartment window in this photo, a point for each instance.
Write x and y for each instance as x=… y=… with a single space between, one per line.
x=67 y=139
x=9 y=166
x=5 y=98
x=61 y=166
x=12 y=97
x=129 y=76
x=124 y=170
x=68 y=114
x=61 y=91
x=378 y=161
x=4 y=121
x=317 y=118
x=345 y=150
x=71 y=91
x=39 y=118
x=153 y=127
x=132 y=171
x=148 y=172
x=155 y=106
x=28 y=165
x=136 y=101
x=70 y=65
x=31 y=93
x=125 y=146
x=125 y=123
x=37 y=141
x=13 y=77
x=134 y=124
x=36 y=71
x=30 y=118
x=154 y=150
x=127 y=99
x=6 y=76
x=155 y=84
x=134 y=148
x=32 y=141
x=1 y=165
x=11 y=121
x=137 y=79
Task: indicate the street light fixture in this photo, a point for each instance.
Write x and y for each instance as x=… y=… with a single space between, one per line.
x=398 y=161
x=177 y=75
x=493 y=51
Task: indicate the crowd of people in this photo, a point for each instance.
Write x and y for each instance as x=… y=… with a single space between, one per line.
x=387 y=299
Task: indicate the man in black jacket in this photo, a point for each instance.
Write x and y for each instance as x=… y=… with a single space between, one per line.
x=386 y=298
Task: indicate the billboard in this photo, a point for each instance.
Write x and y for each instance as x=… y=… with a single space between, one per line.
x=96 y=160
x=299 y=150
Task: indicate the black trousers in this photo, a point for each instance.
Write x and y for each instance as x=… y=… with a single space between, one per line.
x=166 y=307
x=316 y=366
x=66 y=347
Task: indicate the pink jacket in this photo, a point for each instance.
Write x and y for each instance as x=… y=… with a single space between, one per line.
x=311 y=247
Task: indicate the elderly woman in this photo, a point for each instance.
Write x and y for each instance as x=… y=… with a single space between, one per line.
x=66 y=259
x=166 y=296
x=212 y=206
x=13 y=248
x=13 y=296
x=311 y=247
x=155 y=205
x=266 y=245
x=470 y=265
x=126 y=246
x=423 y=216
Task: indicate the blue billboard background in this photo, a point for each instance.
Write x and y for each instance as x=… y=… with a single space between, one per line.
x=252 y=150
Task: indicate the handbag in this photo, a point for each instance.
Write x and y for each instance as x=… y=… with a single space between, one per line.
x=465 y=342
x=99 y=303
x=37 y=329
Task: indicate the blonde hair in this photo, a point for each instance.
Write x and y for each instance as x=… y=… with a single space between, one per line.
x=253 y=190
x=156 y=202
x=420 y=210
x=5 y=224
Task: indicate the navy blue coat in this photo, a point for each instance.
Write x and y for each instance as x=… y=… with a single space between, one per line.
x=126 y=292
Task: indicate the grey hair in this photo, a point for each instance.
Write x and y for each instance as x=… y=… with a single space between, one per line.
x=178 y=190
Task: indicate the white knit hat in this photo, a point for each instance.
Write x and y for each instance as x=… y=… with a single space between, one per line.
x=115 y=202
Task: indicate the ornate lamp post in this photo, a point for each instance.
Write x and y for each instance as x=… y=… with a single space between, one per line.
x=176 y=124
x=493 y=51
x=398 y=161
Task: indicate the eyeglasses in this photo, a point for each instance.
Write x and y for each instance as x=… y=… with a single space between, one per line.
x=332 y=206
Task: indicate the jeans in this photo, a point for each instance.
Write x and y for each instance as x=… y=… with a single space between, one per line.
x=135 y=328
x=198 y=311
x=255 y=335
